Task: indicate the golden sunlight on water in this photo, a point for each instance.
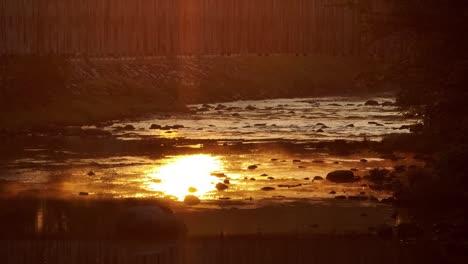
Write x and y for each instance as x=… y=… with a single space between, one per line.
x=183 y=173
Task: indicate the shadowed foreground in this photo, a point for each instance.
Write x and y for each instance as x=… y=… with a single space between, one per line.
x=252 y=249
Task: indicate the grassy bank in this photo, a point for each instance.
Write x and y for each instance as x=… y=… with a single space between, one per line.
x=51 y=90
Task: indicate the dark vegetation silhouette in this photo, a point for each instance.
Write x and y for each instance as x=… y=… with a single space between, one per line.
x=432 y=76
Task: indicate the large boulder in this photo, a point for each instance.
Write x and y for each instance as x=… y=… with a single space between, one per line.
x=221 y=186
x=149 y=222
x=191 y=200
x=372 y=103
x=341 y=176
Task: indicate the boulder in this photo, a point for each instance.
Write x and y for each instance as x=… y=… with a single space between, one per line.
x=371 y=103
x=221 y=186
x=341 y=176
x=250 y=108
x=95 y=132
x=318 y=178
x=268 y=189
x=252 y=167
x=128 y=127
x=350 y=125
x=154 y=126
x=387 y=103
x=148 y=222
x=191 y=200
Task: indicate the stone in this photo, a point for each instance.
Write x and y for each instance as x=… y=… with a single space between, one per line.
x=318 y=178
x=268 y=189
x=252 y=167
x=154 y=126
x=191 y=200
x=372 y=103
x=221 y=186
x=341 y=176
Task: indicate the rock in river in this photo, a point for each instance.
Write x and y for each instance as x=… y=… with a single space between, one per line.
x=372 y=103
x=341 y=176
x=268 y=189
x=191 y=200
x=221 y=186
x=252 y=167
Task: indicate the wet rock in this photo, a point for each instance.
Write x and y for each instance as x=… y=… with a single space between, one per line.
x=260 y=125
x=320 y=124
x=271 y=178
x=350 y=125
x=268 y=189
x=191 y=200
x=340 y=197
x=226 y=181
x=203 y=109
x=341 y=176
x=218 y=174
x=377 y=175
x=83 y=193
x=252 y=167
x=220 y=107
x=264 y=175
x=252 y=179
x=192 y=189
x=236 y=114
x=128 y=127
x=318 y=178
x=289 y=185
x=389 y=200
x=207 y=106
x=332 y=192
x=224 y=198
x=154 y=126
x=387 y=103
x=95 y=132
x=363 y=160
x=405 y=127
x=301 y=167
x=297 y=161
x=320 y=131
x=221 y=186
x=177 y=126
x=372 y=103
x=91 y=173
x=306 y=178
x=250 y=107
x=357 y=198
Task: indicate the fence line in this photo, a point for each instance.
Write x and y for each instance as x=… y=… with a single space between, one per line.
x=162 y=27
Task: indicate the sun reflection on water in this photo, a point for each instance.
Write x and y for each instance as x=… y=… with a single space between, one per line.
x=183 y=173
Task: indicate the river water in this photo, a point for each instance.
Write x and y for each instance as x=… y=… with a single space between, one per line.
x=287 y=174
x=309 y=119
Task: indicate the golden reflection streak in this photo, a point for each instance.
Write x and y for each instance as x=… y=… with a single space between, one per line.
x=184 y=172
